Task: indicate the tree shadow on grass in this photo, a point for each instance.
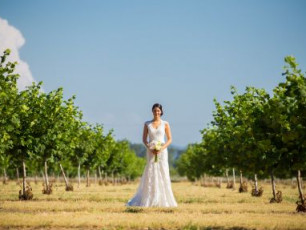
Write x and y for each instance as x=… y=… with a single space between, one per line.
x=196 y=227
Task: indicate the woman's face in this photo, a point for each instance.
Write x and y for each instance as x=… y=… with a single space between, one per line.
x=156 y=112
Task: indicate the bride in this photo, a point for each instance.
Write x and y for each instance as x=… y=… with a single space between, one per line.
x=155 y=186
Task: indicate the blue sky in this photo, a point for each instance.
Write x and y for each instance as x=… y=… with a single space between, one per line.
x=120 y=57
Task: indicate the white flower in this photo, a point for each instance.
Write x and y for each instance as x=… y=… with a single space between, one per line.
x=155 y=145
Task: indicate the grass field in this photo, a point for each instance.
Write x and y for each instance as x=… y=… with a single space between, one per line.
x=103 y=207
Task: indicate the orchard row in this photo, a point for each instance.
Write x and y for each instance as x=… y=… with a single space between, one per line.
x=255 y=133
x=42 y=132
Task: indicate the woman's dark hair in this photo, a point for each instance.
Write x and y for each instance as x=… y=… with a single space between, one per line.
x=158 y=106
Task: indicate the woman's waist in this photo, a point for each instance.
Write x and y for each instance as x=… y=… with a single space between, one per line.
x=157 y=140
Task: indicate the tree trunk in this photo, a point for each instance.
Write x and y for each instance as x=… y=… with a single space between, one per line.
x=87 y=178
x=5 y=176
x=273 y=185
x=66 y=181
x=240 y=179
x=227 y=178
x=234 y=179
x=79 y=175
x=17 y=174
x=100 y=176
x=43 y=175
x=24 y=178
x=103 y=175
x=256 y=184
x=300 y=187
x=46 y=175
x=95 y=178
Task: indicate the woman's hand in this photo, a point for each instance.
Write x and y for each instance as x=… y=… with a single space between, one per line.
x=157 y=151
x=154 y=151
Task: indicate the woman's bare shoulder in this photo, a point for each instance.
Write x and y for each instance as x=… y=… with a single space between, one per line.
x=147 y=123
x=166 y=123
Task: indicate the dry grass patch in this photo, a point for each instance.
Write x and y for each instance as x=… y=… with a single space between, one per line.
x=103 y=207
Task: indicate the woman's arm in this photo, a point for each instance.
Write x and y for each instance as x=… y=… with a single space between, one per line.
x=169 y=137
x=144 y=136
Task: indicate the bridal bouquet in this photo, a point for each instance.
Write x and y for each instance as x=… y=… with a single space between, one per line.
x=155 y=145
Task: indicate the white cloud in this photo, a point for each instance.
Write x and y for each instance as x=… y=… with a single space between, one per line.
x=11 y=38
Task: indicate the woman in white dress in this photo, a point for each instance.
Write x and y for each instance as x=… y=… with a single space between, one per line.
x=155 y=186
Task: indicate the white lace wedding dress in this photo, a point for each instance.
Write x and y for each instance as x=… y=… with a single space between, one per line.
x=155 y=186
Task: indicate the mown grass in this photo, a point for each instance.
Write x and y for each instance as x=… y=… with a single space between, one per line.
x=103 y=207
